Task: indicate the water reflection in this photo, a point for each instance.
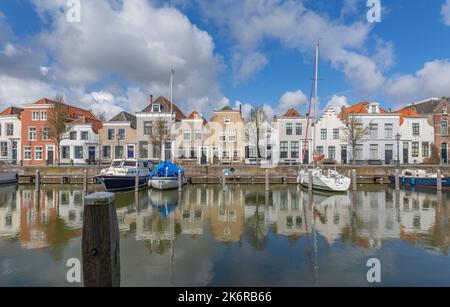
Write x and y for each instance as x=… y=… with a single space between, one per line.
x=364 y=219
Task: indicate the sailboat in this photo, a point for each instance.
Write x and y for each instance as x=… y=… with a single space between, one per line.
x=327 y=180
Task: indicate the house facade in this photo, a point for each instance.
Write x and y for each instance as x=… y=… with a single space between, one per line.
x=81 y=143
x=329 y=138
x=227 y=136
x=10 y=135
x=438 y=110
x=159 y=110
x=38 y=147
x=293 y=145
x=118 y=138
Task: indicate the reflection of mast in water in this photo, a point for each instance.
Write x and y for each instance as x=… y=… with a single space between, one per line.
x=315 y=267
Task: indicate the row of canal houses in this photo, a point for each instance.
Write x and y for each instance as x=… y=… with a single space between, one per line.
x=405 y=135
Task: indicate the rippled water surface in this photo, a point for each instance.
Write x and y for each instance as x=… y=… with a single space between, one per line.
x=243 y=237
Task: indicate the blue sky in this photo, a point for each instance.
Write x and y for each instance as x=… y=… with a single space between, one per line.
x=250 y=52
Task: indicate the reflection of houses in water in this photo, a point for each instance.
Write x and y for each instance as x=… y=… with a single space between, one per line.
x=194 y=210
x=126 y=217
x=70 y=206
x=9 y=212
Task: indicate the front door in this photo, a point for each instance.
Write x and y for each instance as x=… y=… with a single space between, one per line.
x=130 y=152
x=168 y=151
x=50 y=154
x=444 y=153
x=405 y=153
x=14 y=152
x=204 y=156
x=91 y=152
x=344 y=154
x=389 y=154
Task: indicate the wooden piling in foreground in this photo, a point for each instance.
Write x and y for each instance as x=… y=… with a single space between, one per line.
x=136 y=182
x=179 y=181
x=85 y=185
x=100 y=241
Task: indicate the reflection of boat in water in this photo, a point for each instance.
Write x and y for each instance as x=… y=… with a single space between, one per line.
x=162 y=198
x=165 y=176
x=421 y=179
x=324 y=198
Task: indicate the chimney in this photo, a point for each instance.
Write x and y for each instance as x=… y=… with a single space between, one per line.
x=240 y=109
x=150 y=99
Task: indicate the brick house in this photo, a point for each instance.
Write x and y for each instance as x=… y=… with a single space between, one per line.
x=38 y=148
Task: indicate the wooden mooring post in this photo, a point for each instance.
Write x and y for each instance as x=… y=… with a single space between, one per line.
x=136 y=182
x=100 y=241
x=397 y=180
x=439 y=180
x=179 y=181
x=224 y=182
x=85 y=184
x=354 y=180
x=38 y=180
x=267 y=181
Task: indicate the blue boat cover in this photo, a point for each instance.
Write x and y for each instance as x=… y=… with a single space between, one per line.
x=166 y=169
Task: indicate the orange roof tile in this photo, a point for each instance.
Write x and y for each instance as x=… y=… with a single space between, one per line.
x=292 y=113
x=12 y=111
x=74 y=112
x=194 y=115
x=96 y=124
x=408 y=111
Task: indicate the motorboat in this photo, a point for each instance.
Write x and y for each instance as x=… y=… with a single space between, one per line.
x=121 y=175
x=325 y=180
x=165 y=176
x=421 y=178
x=7 y=176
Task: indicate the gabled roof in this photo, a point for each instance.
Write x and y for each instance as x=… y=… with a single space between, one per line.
x=125 y=117
x=165 y=107
x=194 y=115
x=292 y=113
x=430 y=106
x=11 y=111
x=74 y=112
x=408 y=111
x=360 y=108
x=96 y=124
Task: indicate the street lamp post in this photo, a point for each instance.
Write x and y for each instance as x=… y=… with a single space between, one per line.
x=397 y=137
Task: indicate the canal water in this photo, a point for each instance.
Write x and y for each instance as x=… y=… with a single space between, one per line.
x=243 y=237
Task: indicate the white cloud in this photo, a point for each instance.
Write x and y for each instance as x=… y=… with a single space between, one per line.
x=445 y=12
x=337 y=102
x=246 y=66
x=292 y=100
x=102 y=103
x=433 y=80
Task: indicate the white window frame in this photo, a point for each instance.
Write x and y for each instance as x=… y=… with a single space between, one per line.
x=29 y=134
x=7 y=130
x=186 y=133
x=227 y=121
x=87 y=135
x=27 y=150
x=44 y=116
x=33 y=117
x=5 y=153
x=36 y=151
x=43 y=134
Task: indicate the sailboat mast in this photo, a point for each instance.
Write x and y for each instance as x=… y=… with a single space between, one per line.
x=172 y=122
x=316 y=102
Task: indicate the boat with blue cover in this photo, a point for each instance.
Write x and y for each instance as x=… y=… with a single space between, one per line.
x=421 y=179
x=165 y=176
x=121 y=175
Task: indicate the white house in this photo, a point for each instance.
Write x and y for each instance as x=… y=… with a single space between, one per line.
x=10 y=135
x=81 y=143
x=417 y=135
x=329 y=137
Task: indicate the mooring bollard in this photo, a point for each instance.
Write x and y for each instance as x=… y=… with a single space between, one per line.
x=310 y=181
x=100 y=242
x=439 y=180
x=179 y=180
x=267 y=180
x=38 y=180
x=397 y=180
x=85 y=185
x=224 y=181
x=354 y=180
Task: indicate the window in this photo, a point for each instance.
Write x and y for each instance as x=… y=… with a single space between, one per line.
x=130 y=151
x=425 y=149
x=332 y=153
x=323 y=134
x=156 y=108
x=121 y=135
x=373 y=152
x=319 y=150
x=288 y=129
x=227 y=120
x=232 y=136
x=373 y=109
x=373 y=131
x=27 y=153
x=65 y=152
x=118 y=154
x=186 y=135
x=84 y=135
x=388 y=131
x=38 y=153
x=359 y=152
x=444 y=127
x=222 y=137
x=148 y=128
x=298 y=129
x=416 y=129
x=193 y=153
x=198 y=135
x=45 y=133
x=415 y=149
x=444 y=111
x=44 y=115
x=73 y=135
x=3 y=149
x=295 y=150
x=35 y=115
x=9 y=129
x=335 y=134
x=111 y=134
x=78 y=152
x=143 y=149
x=283 y=150
x=106 y=152
x=32 y=134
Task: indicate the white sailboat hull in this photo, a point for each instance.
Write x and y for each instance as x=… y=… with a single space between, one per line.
x=325 y=183
x=162 y=183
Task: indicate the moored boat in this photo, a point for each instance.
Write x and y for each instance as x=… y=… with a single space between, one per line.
x=165 y=176
x=121 y=175
x=421 y=179
x=325 y=180
x=7 y=176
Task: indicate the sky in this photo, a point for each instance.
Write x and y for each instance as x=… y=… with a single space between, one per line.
x=110 y=55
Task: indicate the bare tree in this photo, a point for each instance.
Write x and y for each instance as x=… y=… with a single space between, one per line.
x=257 y=128
x=353 y=132
x=435 y=157
x=57 y=121
x=159 y=135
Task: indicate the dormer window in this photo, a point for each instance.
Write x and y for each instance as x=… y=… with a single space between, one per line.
x=227 y=120
x=444 y=111
x=156 y=108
